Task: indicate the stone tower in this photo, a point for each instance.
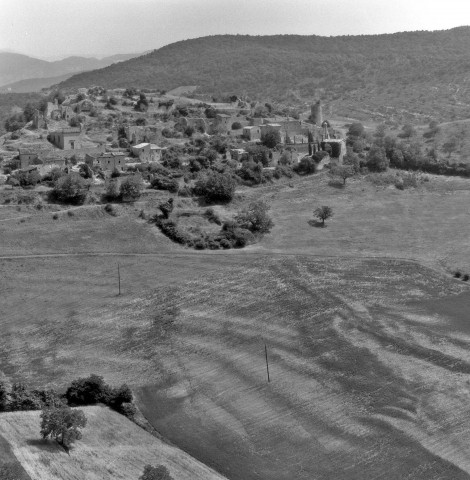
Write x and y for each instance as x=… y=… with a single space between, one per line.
x=316 y=115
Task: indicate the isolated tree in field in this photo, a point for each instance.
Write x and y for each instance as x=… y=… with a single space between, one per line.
x=343 y=171
x=356 y=130
x=63 y=425
x=323 y=213
x=159 y=472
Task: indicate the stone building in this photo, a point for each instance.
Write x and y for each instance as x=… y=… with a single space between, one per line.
x=107 y=161
x=66 y=139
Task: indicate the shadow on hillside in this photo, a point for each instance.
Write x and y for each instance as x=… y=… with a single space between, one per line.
x=336 y=184
x=46 y=445
x=316 y=224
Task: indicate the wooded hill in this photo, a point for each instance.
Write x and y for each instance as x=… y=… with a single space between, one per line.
x=421 y=72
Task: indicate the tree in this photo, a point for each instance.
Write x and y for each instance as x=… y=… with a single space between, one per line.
x=450 y=146
x=323 y=213
x=217 y=187
x=3 y=396
x=343 y=171
x=87 y=391
x=306 y=166
x=356 y=130
x=63 y=424
x=407 y=131
x=376 y=159
x=166 y=208
x=259 y=154
x=131 y=187
x=255 y=217
x=159 y=472
x=71 y=188
x=271 y=138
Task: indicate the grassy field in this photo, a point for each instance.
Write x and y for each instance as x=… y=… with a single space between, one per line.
x=369 y=357
x=112 y=448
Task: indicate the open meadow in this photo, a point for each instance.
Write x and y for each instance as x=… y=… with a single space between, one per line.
x=366 y=330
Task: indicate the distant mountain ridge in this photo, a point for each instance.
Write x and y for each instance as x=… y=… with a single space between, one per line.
x=415 y=73
x=15 y=66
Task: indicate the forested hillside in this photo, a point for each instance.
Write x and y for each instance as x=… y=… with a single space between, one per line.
x=423 y=73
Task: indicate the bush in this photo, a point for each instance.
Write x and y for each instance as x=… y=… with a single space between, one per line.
x=306 y=166
x=159 y=472
x=160 y=182
x=457 y=274
x=217 y=187
x=112 y=190
x=131 y=187
x=127 y=409
x=236 y=126
x=71 y=188
x=110 y=209
x=212 y=216
x=170 y=229
x=238 y=237
x=465 y=277
x=255 y=217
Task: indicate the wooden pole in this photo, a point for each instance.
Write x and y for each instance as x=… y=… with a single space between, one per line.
x=267 y=363
x=119 y=279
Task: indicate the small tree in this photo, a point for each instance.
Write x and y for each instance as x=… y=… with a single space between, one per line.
x=255 y=217
x=323 y=213
x=62 y=424
x=166 y=208
x=159 y=472
x=343 y=171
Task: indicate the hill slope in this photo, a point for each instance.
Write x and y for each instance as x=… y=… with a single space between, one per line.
x=417 y=71
x=112 y=448
x=15 y=66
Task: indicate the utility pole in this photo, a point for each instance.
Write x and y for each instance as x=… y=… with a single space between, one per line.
x=267 y=363
x=119 y=279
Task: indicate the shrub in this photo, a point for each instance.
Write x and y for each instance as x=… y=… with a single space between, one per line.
x=159 y=472
x=71 y=188
x=131 y=187
x=161 y=182
x=465 y=277
x=255 y=217
x=238 y=237
x=457 y=274
x=112 y=190
x=236 y=126
x=212 y=216
x=108 y=208
x=306 y=166
x=70 y=213
x=127 y=409
x=217 y=187
x=55 y=216
x=171 y=230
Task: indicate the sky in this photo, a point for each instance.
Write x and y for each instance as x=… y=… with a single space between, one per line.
x=52 y=29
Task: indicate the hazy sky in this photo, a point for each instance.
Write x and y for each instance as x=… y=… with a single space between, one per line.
x=53 y=28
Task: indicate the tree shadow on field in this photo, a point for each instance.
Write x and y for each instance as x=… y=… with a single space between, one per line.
x=46 y=445
x=316 y=224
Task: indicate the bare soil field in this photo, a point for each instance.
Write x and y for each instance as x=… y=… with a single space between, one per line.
x=112 y=448
x=369 y=357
